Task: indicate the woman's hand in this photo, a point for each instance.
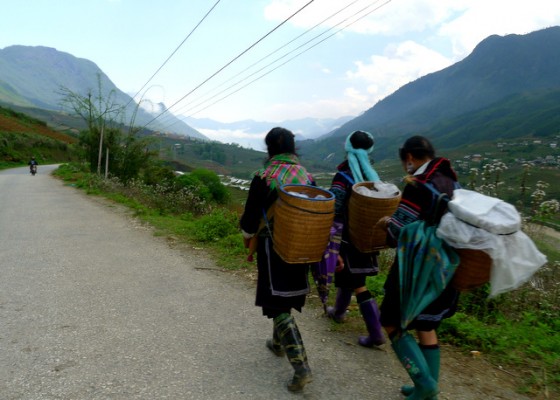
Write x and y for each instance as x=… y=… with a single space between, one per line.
x=339 y=263
x=383 y=223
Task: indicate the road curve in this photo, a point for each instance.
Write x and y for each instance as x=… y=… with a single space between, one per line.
x=93 y=306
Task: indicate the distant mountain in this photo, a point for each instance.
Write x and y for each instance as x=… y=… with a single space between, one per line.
x=497 y=68
x=507 y=87
x=306 y=128
x=33 y=76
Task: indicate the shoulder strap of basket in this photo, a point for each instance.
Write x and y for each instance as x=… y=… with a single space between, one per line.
x=267 y=216
x=439 y=201
x=348 y=177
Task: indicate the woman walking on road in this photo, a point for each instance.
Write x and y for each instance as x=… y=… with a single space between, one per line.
x=353 y=266
x=281 y=287
x=422 y=361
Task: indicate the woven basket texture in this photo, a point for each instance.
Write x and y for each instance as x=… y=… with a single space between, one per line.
x=302 y=225
x=473 y=270
x=363 y=214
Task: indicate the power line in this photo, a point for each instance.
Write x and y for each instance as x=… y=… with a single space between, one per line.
x=265 y=57
x=290 y=59
x=174 y=51
x=230 y=62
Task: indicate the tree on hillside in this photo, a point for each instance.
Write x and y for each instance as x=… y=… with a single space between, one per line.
x=126 y=154
x=100 y=112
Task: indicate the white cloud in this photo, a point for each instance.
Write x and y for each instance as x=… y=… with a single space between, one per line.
x=462 y=22
x=383 y=17
x=252 y=140
x=399 y=65
x=498 y=17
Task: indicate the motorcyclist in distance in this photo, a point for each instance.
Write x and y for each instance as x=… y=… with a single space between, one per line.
x=32 y=165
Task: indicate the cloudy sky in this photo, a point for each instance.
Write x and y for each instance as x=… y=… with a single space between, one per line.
x=333 y=58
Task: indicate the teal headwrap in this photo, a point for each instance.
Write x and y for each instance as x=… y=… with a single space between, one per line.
x=358 y=160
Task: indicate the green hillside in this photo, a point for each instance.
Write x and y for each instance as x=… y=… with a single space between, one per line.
x=37 y=76
x=498 y=69
x=22 y=136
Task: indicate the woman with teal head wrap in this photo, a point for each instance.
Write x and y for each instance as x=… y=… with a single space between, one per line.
x=358 y=156
x=353 y=266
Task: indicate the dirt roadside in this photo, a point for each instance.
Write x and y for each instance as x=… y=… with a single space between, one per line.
x=163 y=360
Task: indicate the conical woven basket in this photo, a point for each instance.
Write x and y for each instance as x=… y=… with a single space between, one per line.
x=302 y=225
x=473 y=270
x=363 y=214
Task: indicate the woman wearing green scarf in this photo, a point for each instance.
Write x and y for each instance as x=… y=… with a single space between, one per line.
x=281 y=287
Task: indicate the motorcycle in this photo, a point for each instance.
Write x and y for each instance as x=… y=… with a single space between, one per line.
x=33 y=169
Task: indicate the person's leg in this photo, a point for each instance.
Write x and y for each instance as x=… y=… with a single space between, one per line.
x=274 y=344
x=370 y=314
x=411 y=357
x=429 y=347
x=342 y=301
x=292 y=343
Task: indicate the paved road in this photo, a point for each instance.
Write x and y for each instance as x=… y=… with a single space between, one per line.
x=93 y=306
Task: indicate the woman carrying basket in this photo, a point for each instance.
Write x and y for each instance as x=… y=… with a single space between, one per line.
x=281 y=287
x=353 y=266
x=422 y=361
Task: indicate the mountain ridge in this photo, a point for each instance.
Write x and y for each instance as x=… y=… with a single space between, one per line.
x=498 y=66
x=33 y=76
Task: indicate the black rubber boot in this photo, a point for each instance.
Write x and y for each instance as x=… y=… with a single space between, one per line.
x=293 y=346
x=409 y=354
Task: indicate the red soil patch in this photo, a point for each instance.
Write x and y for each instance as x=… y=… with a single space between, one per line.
x=10 y=124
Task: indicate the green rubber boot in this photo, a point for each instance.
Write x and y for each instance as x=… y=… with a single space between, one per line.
x=432 y=356
x=274 y=344
x=291 y=341
x=409 y=354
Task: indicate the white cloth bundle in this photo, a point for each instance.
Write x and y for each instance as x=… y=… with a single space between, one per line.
x=515 y=258
x=489 y=213
x=383 y=190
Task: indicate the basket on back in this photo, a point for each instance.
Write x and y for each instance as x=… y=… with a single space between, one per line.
x=303 y=216
x=473 y=270
x=364 y=212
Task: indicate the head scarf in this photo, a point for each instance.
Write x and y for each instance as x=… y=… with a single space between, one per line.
x=358 y=160
x=284 y=168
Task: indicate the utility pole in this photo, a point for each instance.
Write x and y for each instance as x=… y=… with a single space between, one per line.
x=100 y=150
x=107 y=164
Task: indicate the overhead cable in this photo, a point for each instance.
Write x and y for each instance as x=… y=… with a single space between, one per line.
x=230 y=62
x=174 y=51
x=267 y=56
x=288 y=53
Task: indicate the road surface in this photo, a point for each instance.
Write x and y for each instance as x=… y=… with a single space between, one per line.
x=94 y=306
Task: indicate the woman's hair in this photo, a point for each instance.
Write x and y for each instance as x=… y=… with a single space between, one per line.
x=280 y=140
x=361 y=140
x=418 y=147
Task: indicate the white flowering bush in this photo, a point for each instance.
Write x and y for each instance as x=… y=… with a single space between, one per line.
x=165 y=198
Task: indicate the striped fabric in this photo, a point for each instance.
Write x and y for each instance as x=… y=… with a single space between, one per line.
x=282 y=169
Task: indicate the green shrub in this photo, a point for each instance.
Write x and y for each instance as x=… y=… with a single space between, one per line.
x=217 y=189
x=192 y=183
x=217 y=225
x=157 y=174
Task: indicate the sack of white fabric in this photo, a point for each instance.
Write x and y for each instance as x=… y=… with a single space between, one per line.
x=489 y=213
x=515 y=258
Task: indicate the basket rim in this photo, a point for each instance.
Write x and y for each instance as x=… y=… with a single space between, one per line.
x=364 y=183
x=328 y=192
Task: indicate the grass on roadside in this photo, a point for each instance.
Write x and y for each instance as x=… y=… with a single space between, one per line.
x=519 y=329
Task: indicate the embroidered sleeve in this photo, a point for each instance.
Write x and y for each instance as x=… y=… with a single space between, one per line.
x=407 y=212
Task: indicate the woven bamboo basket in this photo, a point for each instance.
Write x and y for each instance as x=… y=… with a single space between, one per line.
x=363 y=214
x=473 y=270
x=302 y=225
